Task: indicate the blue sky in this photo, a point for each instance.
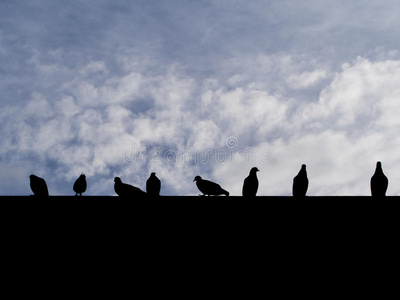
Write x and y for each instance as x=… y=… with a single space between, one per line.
x=209 y=88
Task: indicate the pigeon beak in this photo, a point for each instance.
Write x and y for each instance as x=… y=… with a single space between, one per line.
x=194 y=180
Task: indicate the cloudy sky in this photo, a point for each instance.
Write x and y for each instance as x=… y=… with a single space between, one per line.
x=210 y=88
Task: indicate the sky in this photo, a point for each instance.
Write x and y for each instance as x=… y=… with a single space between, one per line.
x=211 y=88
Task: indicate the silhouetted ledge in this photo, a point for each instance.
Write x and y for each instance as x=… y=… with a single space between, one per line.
x=214 y=198
x=199 y=216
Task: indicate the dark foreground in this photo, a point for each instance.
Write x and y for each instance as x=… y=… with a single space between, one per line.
x=184 y=212
x=201 y=241
x=202 y=209
x=202 y=198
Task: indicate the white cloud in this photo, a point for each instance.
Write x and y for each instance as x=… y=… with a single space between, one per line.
x=204 y=136
x=94 y=68
x=351 y=136
x=306 y=79
x=79 y=96
x=67 y=107
x=326 y=135
x=38 y=108
x=120 y=90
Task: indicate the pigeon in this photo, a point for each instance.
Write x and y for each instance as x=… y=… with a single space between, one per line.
x=127 y=190
x=80 y=185
x=209 y=188
x=379 y=182
x=300 y=183
x=153 y=185
x=250 y=185
x=38 y=186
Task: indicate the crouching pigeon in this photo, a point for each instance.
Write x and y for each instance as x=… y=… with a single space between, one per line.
x=127 y=190
x=379 y=182
x=300 y=183
x=250 y=184
x=38 y=186
x=209 y=188
x=80 y=185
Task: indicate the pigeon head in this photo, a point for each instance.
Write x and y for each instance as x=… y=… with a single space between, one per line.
x=153 y=174
x=254 y=170
x=83 y=175
x=117 y=179
x=379 y=164
x=197 y=178
x=303 y=167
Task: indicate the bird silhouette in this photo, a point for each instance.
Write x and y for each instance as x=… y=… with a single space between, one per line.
x=250 y=184
x=127 y=190
x=153 y=185
x=300 y=183
x=379 y=182
x=80 y=185
x=38 y=186
x=209 y=188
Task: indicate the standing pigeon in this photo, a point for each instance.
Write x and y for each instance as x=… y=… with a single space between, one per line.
x=250 y=185
x=209 y=188
x=300 y=183
x=379 y=182
x=38 y=186
x=127 y=190
x=80 y=185
x=153 y=185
